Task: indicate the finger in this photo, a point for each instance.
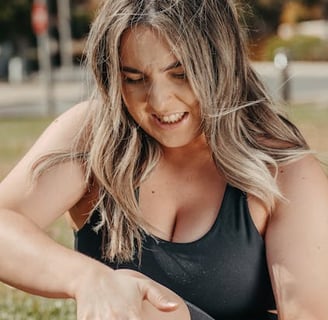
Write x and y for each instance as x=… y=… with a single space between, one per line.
x=159 y=300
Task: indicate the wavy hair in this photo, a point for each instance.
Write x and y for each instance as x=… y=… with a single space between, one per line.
x=248 y=136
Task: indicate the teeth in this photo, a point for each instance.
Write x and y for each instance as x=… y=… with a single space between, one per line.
x=172 y=118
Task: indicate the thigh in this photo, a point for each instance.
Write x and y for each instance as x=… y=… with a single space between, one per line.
x=196 y=313
x=186 y=311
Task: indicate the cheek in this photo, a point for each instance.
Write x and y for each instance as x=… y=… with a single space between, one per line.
x=191 y=101
x=133 y=97
x=188 y=97
x=132 y=105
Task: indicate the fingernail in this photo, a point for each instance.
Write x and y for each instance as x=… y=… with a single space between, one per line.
x=171 y=303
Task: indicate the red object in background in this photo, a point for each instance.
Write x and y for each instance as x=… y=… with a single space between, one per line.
x=40 y=17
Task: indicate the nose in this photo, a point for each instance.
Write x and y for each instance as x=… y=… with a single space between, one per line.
x=160 y=97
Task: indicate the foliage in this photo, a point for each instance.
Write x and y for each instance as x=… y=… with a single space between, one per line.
x=15 y=19
x=80 y=23
x=300 y=47
x=310 y=2
x=263 y=17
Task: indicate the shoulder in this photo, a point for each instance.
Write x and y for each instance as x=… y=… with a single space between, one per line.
x=302 y=180
x=61 y=133
x=70 y=122
x=56 y=190
x=304 y=186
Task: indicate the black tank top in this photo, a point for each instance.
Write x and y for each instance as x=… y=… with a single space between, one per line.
x=223 y=273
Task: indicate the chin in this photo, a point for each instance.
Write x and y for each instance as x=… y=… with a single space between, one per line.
x=176 y=144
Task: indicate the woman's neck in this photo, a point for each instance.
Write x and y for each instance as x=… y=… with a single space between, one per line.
x=197 y=150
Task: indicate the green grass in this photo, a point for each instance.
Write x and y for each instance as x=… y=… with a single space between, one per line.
x=313 y=122
x=16 y=305
x=310 y=116
x=17 y=135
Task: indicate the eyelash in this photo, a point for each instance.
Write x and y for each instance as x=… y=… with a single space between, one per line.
x=180 y=76
x=133 y=81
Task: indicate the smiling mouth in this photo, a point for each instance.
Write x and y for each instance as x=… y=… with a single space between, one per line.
x=172 y=118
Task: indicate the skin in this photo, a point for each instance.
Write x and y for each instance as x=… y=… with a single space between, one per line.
x=295 y=232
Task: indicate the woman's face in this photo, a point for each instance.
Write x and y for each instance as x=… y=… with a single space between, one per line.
x=155 y=89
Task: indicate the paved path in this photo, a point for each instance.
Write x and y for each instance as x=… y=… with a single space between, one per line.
x=308 y=81
x=29 y=98
x=309 y=84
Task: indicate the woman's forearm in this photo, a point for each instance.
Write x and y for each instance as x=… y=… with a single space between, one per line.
x=33 y=262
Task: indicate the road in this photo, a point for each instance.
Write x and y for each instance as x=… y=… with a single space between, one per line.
x=30 y=98
x=308 y=82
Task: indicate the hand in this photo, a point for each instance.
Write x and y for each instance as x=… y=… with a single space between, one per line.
x=119 y=295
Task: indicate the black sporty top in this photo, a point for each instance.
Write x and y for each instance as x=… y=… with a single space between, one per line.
x=224 y=273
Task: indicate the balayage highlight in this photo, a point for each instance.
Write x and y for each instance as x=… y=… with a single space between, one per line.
x=248 y=136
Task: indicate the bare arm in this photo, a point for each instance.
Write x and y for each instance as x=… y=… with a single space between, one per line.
x=297 y=242
x=26 y=252
x=31 y=261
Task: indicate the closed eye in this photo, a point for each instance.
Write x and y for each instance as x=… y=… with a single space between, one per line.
x=180 y=76
x=130 y=80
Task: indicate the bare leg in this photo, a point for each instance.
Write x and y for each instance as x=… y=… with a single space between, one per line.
x=186 y=311
x=196 y=313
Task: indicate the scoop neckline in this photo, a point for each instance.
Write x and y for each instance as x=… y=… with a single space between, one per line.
x=205 y=235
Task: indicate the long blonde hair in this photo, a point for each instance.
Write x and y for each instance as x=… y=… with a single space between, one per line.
x=247 y=135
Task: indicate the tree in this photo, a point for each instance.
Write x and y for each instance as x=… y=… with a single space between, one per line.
x=310 y=2
x=263 y=17
x=15 y=21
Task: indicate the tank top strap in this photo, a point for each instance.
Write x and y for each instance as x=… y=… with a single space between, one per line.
x=236 y=217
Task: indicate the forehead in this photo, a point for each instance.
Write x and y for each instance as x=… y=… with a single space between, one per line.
x=142 y=46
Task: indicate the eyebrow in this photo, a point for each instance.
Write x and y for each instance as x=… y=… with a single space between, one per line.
x=175 y=64
x=171 y=66
x=130 y=70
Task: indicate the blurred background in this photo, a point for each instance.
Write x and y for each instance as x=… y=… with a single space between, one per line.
x=41 y=75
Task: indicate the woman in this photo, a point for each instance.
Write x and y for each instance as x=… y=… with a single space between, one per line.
x=182 y=177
